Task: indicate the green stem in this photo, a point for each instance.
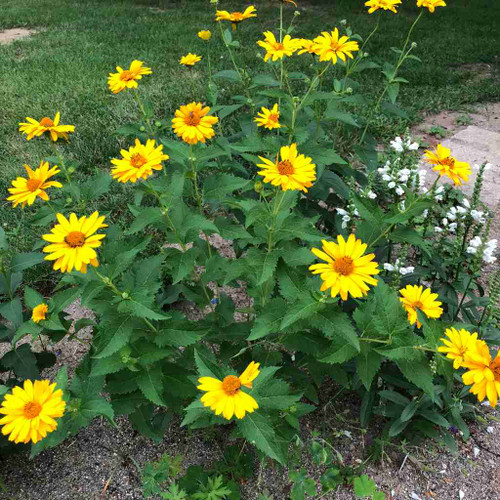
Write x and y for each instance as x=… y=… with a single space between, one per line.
x=192 y=159
x=61 y=161
x=143 y=111
x=463 y=298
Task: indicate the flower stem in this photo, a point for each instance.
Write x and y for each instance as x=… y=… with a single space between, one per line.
x=143 y=112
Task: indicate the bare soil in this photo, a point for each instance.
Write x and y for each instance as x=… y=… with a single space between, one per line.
x=9 y=36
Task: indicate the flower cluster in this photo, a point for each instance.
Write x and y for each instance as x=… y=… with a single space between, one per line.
x=485 y=249
x=401 y=145
x=397 y=267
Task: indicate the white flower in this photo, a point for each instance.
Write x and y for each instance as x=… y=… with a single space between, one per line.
x=475 y=242
x=445 y=221
x=425 y=213
x=391 y=185
x=400 y=191
x=452 y=227
x=341 y=211
x=465 y=203
x=371 y=195
x=389 y=267
x=397 y=144
x=413 y=146
x=438 y=229
x=406 y=270
x=478 y=216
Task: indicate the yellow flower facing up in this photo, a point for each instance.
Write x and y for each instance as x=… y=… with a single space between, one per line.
x=236 y=18
x=347 y=270
x=72 y=242
x=33 y=128
x=268 y=118
x=30 y=411
x=127 y=78
x=138 y=162
x=457 y=345
x=294 y=171
x=277 y=50
x=483 y=374
x=330 y=46
x=307 y=46
x=205 y=35
x=26 y=190
x=39 y=312
x=415 y=297
x=382 y=4
x=445 y=164
x=193 y=124
x=431 y=4
x=190 y=60
x=226 y=397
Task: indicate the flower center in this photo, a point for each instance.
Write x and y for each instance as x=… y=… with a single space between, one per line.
x=127 y=75
x=334 y=46
x=32 y=409
x=192 y=119
x=137 y=160
x=33 y=184
x=448 y=162
x=279 y=46
x=237 y=17
x=75 y=239
x=344 y=266
x=46 y=122
x=273 y=117
x=285 y=167
x=231 y=385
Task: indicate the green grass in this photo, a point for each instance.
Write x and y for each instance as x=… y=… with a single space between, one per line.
x=64 y=67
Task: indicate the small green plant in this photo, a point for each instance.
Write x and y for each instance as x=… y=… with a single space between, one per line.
x=438 y=131
x=464 y=119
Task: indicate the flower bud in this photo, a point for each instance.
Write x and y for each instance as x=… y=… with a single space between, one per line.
x=258 y=187
x=296 y=13
x=158 y=124
x=69 y=200
x=142 y=129
x=343 y=22
x=413 y=45
x=125 y=295
x=71 y=170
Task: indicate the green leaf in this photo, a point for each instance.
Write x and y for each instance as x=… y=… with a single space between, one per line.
x=32 y=298
x=290 y=283
x=269 y=320
x=179 y=333
x=22 y=361
x=334 y=324
x=410 y=410
x=299 y=256
x=12 y=311
x=413 y=210
x=150 y=382
x=264 y=80
x=304 y=309
x=395 y=397
x=397 y=427
x=341 y=116
x=144 y=217
x=22 y=261
x=418 y=372
x=364 y=487
x=435 y=418
x=113 y=335
x=227 y=74
x=339 y=354
x=217 y=187
x=148 y=424
x=367 y=364
x=182 y=264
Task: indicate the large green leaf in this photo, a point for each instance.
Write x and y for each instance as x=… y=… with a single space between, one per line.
x=150 y=382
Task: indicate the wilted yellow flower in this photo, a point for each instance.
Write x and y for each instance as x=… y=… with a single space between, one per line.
x=268 y=118
x=73 y=242
x=447 y=165
x=330 y=46
x=347 y=269
x=226 y=397
x=33 y=128
x=190 y=59
x=127 y=78
x=25 y=191
x=235 y=17
x=193 y=124
x=30 y=411
x=276 y=49
x=457 y=345
x=431 y=4
x=415 y=297
x=205 y=35
x=382 y=4
x=138 y=162
x=293 y=172
x=307 y=46
x=39 y=312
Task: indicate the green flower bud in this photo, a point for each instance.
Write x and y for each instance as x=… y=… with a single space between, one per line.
x=258 y=187
x=125 y=296
x=69 y=200
x=71 y=170
x=158 y=124
x=142 y=129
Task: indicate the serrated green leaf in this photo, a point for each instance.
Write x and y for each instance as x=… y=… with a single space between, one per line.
x=304 y=309
x=150 y=382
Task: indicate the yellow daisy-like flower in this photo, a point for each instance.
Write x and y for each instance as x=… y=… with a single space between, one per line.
x=73 y=241
x=268 y=118
x=192 y=123
x=277 y=50
x=382 y=4
x=25 y=191
x=294 y=172
x=330 y=46
x=226 y=397
x=205 y=35
x=431 y=4
x=457 y=345
x=138 y=162
x=347 y=269
x=190 y=60
x=447 y=165
x=39 y=312
x=33 y=128
x=127 y=78
x=415 y=297
x=30 y=411
x=307 y=46
x=483 y=374
x=236 y=18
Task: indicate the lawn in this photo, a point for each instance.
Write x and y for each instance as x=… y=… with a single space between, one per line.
x=64 y=67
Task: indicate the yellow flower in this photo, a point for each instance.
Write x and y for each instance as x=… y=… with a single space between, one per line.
x=347 y=270
x=329 y=46
x=307 y=46
x=415 y=297
x=382 y=4
x=447 y=165
x=205 y=35
x=192 y=123
x=46 y=125
x=268 y=118
x=294 y=172
x=39 y=312
x=277 y=50
x=235 y=17
x=73 y=242
x=190 y=59
x=226 y=396
x=25 y=190
x=483 y=374
x=431 y=4
x=127 y=78
x=30 y=411
x=457 y=345
x=138 y=162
